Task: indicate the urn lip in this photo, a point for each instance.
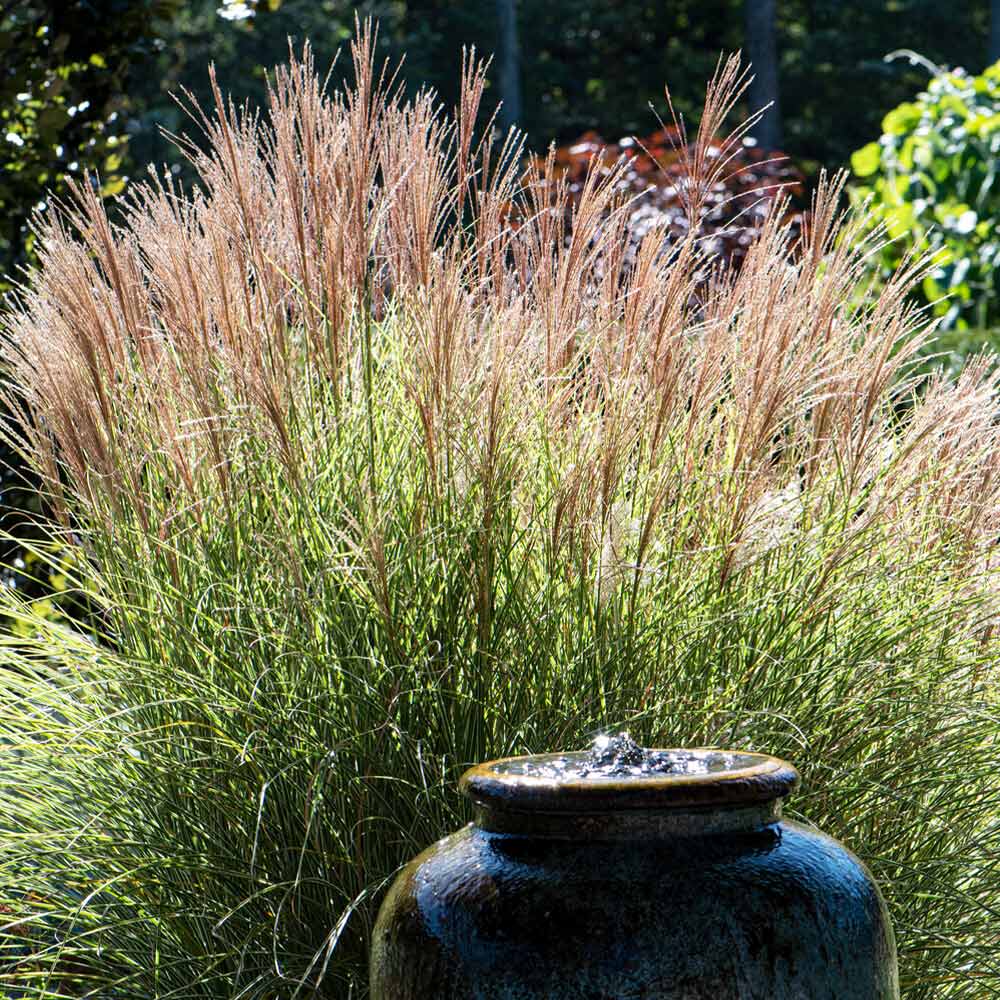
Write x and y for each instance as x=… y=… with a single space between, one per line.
x=720 y=778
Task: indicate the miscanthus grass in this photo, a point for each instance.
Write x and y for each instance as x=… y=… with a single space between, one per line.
x=375 y=470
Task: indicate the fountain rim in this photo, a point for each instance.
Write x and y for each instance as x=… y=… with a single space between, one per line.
x=765 y=779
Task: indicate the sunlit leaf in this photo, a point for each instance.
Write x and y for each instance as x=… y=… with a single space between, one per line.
x=865 y=161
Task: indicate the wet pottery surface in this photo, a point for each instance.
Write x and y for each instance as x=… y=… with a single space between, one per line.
x=699 y=891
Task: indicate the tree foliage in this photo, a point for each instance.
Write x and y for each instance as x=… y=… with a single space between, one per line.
x=66 y=66
x=587 y=65
x=932 y=181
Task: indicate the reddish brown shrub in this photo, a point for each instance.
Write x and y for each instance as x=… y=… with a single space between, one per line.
x=652 y=172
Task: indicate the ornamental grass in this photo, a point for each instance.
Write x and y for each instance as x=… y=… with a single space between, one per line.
x=375 y=467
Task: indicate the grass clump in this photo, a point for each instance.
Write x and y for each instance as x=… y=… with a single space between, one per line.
x=374 y=474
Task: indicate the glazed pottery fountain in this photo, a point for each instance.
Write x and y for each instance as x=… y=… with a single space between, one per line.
x=626 y=873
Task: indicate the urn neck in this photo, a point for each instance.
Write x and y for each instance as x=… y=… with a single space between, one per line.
x=639 y=824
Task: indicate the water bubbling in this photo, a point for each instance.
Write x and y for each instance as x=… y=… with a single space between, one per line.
x=616 y=756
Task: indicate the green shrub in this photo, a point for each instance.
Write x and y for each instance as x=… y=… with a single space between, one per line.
x=375 y=475
x=951 y=350
x=932 y=181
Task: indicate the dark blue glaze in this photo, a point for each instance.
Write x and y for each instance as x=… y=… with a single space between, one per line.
x=772 y=912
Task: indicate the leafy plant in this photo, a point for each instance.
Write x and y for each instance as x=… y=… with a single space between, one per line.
x=651 y=171
x=932 y=182
x=379 y=468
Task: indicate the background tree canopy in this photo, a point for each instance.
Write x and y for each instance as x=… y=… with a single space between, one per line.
x=591 y=65
x=67 y=66
x=87 y=84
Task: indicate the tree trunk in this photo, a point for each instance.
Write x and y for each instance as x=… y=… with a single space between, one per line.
x=509 y=63
x=994 y=30
x=761 y=49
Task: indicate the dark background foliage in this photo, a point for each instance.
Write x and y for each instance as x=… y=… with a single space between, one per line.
x=597 y=65
x=67 y=66
x=582 y=65
x=734 y=208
